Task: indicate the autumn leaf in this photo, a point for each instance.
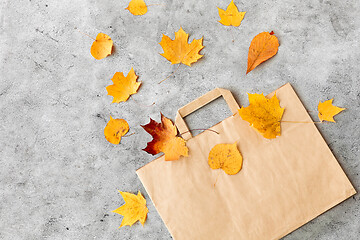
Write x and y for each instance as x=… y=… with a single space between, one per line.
x=327 y=110
x=264 y=46
x=179 y=50
x=123 y=86
x=263 y=114
x=137 y=7
x=231 y=16
x=133 y=210
x=115 y=129
x=165 y=139
x=102 y=46
x=227 y=157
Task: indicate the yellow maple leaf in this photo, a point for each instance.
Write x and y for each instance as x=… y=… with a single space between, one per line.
x=263 y=47
x=327 y=110
x=165 y=139
x=133 y=210
x=137 y=7
x=231 y=16
x=263 y=114
x=227 y=157
x=123 y=86
x=101 y=47
x=115 y=129
x=179 y=50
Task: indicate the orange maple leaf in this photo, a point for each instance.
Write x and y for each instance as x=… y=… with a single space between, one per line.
x=102 y=46
x=327 y=110
x=123 y=86
x=231 y=16
x=263 y=114
x=264 y=46
x=179 y=50
x=165 y=139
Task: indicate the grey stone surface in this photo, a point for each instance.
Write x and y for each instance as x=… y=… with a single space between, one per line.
x=59 y=176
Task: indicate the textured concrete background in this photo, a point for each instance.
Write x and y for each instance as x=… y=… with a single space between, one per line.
x=59 y=176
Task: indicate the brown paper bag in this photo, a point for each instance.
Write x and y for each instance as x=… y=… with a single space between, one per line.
x=284 y=183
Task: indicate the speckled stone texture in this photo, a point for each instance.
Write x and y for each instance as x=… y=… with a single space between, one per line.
x=59 y=176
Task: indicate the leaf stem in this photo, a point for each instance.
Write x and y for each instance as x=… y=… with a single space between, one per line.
x=85 y=34
x=199 y=129
x=128 y=135
x=171 y=74
x=140 y=103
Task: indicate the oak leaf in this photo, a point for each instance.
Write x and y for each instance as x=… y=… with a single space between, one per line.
x=165 y=139
x=263 y=114
x=137 y=7
x=115 y=129
x=231 y=16
x=179 y=50
x=327 y=110
x=102 y=46
x=123 y=86
x=227 y=157
x=133 y=210
x=264 y=46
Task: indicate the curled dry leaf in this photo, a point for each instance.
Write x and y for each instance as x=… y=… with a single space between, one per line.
x=115 y=129
x=133 y=210
x=264 y=46
x=123 y=86
x=102 y=46
x=137 y=7
x=179 y=50
x=263 y=114
x=227 y=157
x=327 y=110
x=232 y=16
x=165 y=139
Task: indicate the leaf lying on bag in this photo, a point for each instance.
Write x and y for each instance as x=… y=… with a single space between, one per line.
x=165 y=139
x=264 y=46
x=115 y=129
x=137 y=7
x=179 y=50
x=263 y=114
x=231 y=16
x=327 y=110
x=133 y=210
x=227 y=157
x=123 y=86
x=102 y=46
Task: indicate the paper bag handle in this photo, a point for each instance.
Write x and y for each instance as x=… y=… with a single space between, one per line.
x=200 y=102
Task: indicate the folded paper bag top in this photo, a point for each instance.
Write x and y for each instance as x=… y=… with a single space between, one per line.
x=284 y=183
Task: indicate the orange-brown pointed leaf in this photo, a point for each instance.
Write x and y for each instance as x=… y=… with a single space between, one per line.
x=264 y=46
x=227 y=157
x=115 y=129
x=165 y=139
x=102 y=46
x=133 y=210
x=123 y=86
x=263 y=114
x=327 y=110
x=179 y=50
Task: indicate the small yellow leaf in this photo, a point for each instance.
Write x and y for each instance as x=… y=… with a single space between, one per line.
x=227 y=157
x=115 y=129
x=327 y=110
x=232 y=16
x=179 y=50
x=102 y=46
x=123 y=86
x=264 y=46
x=133 y=210
x=263 y=114
x=137 y=7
